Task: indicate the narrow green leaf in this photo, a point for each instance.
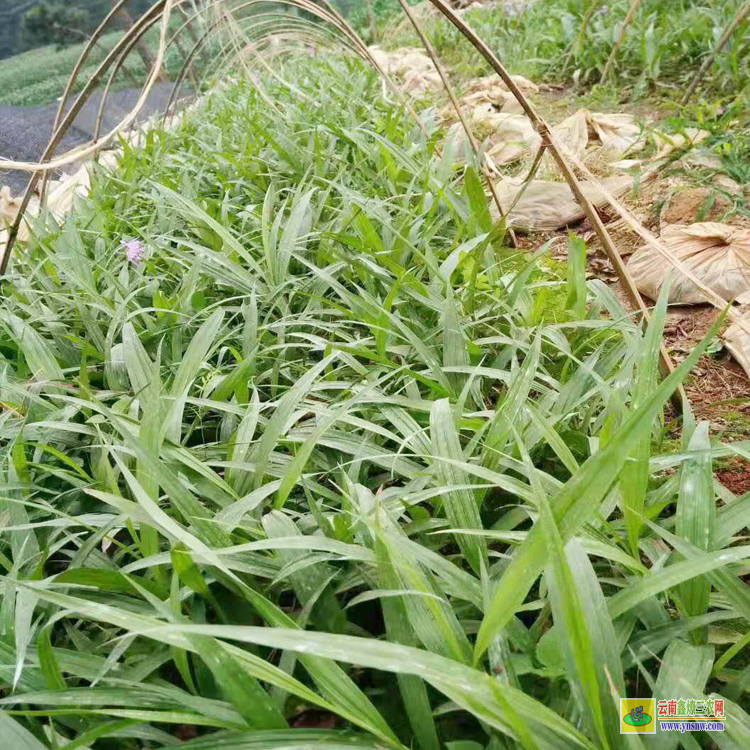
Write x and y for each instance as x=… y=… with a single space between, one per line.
x=460 y=504
x=696 y=519
x=576 y=301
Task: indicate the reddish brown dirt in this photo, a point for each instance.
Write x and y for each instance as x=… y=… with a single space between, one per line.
x=691 y=204
x=718 y=388
x=736 y=480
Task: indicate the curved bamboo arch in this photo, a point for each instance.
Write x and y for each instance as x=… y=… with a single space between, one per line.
x=73 y=78
x=313 y=35
x=114 y=60
x=159 y=12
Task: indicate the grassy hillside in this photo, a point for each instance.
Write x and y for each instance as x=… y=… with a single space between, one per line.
x=40 y=76
x=12 y=39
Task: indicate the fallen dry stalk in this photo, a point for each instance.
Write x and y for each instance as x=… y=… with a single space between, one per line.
x=581 y=38
x=81 y=153
x=93 y=41
x=620 y=38
x=529 y=177
x=742 y=13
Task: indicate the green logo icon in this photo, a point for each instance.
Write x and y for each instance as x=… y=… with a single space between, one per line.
x=637 y=718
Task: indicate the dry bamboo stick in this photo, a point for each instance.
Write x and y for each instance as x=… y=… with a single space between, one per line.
x=81 y=152
x=85 y=52
x=161 y=9
x=581 y=38
x=742 y=13
x=620 y=38
x=432 y=52
x=373 y=23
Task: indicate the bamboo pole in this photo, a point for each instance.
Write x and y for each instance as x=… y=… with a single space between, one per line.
x=85 y=52
x=581 y=38
x=126 y=20
x=373 y=23
x=161 y=10
x=620 y=38
x=742 y=13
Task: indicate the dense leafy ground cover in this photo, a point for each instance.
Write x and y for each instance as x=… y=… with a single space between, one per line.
x=332 y=466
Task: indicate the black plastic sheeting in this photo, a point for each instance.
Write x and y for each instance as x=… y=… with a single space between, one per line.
x=26 y=131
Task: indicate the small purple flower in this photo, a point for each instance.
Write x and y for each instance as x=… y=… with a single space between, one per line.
x=135 y=250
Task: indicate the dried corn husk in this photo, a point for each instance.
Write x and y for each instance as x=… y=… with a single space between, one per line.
x=504 y=137
x=614 y=133
x=9 y=207
x=415 y=69
x=492 y=83
x=667 y=143
x=63 y=192
x=718 y=254
x=493 y=91
x=500 y=100
x=548 y=206
x=574 y=131
x=617 y=132
x=737 y=340
x=508 y=137
x=60 y=197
